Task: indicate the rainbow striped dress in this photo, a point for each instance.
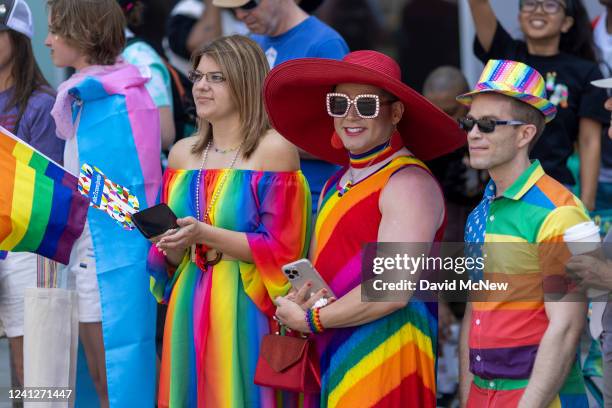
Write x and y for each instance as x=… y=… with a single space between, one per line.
x=217 y=317
x=389 y=362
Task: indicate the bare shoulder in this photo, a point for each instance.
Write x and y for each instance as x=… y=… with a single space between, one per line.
x=413 y=182
x=180 y=155
x=275 y=153
x=412 y=206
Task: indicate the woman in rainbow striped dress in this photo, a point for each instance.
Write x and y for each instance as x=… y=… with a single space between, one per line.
x=243 y=208
x=379 y=353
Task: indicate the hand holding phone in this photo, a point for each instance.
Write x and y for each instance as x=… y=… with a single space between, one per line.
x=300 y=272
x=155 y=221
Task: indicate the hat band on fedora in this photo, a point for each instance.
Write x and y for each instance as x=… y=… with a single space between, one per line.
x=516 y=80
x=498 y=86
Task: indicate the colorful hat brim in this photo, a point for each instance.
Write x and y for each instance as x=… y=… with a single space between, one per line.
x=547 y=109
x=294 y=94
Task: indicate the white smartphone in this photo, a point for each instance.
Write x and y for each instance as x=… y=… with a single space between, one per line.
x=302 y=271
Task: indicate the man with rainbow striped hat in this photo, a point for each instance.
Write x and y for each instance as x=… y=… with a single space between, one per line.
x=519 y=351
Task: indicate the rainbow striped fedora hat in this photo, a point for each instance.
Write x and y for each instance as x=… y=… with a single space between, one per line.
x=516 y=80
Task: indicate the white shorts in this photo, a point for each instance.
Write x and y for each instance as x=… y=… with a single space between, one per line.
x=82 y=271
x=17 y=272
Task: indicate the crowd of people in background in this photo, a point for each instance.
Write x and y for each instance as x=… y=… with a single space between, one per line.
x=274 y=131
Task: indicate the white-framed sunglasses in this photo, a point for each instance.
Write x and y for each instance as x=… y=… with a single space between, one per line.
x=367 y=106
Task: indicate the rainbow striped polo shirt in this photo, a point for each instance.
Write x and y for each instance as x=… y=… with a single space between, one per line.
x=505 y=335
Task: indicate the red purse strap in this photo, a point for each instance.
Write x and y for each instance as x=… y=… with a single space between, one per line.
x=313 y=363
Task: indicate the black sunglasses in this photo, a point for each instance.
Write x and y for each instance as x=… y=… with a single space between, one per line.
x=250 y=5
x=549 y=6
x=486 y=125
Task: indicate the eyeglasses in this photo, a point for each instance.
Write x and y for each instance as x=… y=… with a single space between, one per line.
x=549 y=6
x=250 y=5
x=211 y=77
x=486 y=125
x=367 y=106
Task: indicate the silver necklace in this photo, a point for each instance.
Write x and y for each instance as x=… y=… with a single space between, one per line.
x=352 y=180
x=224 y=151
x=217 y=191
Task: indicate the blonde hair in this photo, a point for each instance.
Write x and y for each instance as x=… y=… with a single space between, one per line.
x=245 y=67
x=94 y=27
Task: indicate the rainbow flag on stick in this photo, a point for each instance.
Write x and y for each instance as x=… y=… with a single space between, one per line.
x=41 y=210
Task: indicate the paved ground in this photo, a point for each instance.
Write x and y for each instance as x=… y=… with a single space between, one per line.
x=5 y=372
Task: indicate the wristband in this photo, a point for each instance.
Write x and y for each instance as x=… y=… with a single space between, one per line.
x=313 y=321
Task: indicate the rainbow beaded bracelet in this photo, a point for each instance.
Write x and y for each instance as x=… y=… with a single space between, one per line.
x=314 y=321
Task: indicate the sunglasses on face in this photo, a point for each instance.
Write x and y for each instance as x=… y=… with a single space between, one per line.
x=486 y=125
x=211 y=77
x=250 y=5
x=549 y=6
x=367 y=106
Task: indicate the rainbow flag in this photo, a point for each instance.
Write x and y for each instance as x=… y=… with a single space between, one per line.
x=41 y=210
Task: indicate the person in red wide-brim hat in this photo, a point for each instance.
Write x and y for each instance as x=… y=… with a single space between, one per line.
x=357 y=113
x=295 y=99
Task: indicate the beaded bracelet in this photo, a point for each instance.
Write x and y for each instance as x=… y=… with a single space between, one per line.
x=317 y=320
x=313 y=320
x=309 y=321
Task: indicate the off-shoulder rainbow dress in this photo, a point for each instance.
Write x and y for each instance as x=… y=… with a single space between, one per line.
x=217 y=318
x=389 y=362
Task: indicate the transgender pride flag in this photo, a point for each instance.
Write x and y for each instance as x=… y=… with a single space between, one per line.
x=41 y=210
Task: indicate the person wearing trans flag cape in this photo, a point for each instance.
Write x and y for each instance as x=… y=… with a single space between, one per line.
x=108 y=121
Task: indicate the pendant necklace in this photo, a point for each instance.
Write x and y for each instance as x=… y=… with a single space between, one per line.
x=201 y=249
x=224 y=151
x=373 y=156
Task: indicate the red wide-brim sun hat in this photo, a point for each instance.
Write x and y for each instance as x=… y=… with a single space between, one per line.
x=294 y=94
